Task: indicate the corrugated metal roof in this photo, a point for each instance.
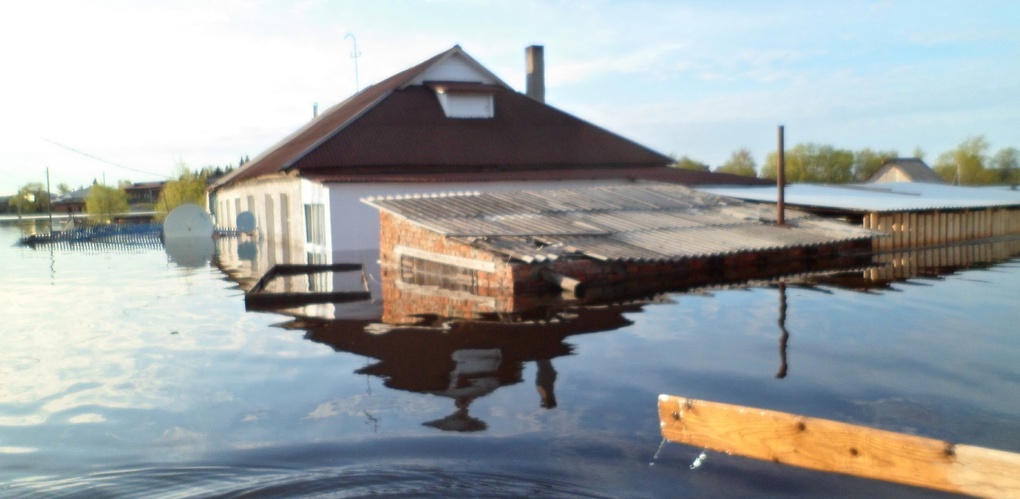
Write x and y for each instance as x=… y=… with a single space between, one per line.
x=887 y=197
x=634 y=222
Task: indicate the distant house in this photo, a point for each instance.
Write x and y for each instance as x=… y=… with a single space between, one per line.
x=72 y=202
x=447 y=124
x=904 y=170
x=143 y=192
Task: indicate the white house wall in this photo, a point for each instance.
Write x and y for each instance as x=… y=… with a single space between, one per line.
x=278 y=205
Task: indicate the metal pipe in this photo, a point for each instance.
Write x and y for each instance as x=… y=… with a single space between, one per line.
x=780 y=181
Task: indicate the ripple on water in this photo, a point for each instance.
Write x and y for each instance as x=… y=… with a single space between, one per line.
x=351 y=481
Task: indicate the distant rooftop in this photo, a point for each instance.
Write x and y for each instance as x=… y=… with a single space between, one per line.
x=905 y=170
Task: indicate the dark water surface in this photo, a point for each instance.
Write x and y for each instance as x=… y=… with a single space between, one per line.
x=124 y=374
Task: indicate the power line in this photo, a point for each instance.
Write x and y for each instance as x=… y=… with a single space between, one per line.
x=105 y=161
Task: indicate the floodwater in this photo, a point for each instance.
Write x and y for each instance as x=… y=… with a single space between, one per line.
x=123 y=373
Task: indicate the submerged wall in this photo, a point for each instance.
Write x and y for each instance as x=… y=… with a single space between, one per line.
x=918 y=229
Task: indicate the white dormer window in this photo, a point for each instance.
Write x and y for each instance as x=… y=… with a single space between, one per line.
x=466 y=104
x=465 y=100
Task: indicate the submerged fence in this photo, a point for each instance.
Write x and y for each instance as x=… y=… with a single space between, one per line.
x=917 y=229
x=100 y=236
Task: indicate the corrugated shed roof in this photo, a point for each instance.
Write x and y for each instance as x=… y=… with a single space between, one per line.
x=635 y=222
x=915 y=169
x=886 y=197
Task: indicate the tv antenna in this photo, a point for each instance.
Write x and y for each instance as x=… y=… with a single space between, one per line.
x=354 y=55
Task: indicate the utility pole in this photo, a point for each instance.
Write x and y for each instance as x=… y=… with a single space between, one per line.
x=354 y=55
x=49 y=198
x=781 y=180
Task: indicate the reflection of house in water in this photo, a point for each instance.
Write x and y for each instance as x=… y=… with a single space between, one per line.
x=466 y=360
x=891 y=267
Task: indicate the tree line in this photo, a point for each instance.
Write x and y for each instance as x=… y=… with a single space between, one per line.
x=103 y=202
x=970 y=163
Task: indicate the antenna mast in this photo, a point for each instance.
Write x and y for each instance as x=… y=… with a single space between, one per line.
x=354 y=55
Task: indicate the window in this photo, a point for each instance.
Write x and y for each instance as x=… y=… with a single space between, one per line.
x=414 y=270
x=467 y=104
x=315 y=224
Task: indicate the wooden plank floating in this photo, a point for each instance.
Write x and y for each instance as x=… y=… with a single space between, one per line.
x=832 y=446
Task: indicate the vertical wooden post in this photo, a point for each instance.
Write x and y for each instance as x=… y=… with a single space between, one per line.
x=780 y=180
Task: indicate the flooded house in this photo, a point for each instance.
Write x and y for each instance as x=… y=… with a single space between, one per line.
x=447 y=124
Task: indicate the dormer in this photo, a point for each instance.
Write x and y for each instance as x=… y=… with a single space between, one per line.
x=463 y=87
x=465 y=100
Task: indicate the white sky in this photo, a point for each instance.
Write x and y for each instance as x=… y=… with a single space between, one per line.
x=145 y=84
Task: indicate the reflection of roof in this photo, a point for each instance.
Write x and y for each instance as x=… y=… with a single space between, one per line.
x=634 y=222
x=893 y=196
x=914 y=169
x=396 y=130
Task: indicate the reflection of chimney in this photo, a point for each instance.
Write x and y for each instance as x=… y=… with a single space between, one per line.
x=535 y=86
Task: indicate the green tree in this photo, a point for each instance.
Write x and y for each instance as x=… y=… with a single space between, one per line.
x=32 y=198
x=813 y=163
x=919 y=153
x=63 y=188
x=867 y=162
x=1006 y=165
x=188 y=187
x=686 y=163
x=965 y=165
x=740 y=163
x=104 y=202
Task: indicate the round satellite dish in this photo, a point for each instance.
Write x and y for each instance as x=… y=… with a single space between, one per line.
x=187 y=220
x=245 y=221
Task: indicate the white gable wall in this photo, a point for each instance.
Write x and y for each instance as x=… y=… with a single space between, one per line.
x=454 y=68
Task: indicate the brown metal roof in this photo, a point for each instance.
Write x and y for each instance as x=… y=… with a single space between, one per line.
x=409 y=131
x=329 y=122
x=396 y=131
x=635 y=222
x=445 y=174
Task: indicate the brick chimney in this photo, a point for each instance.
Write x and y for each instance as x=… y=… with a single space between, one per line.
x=535 y=61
